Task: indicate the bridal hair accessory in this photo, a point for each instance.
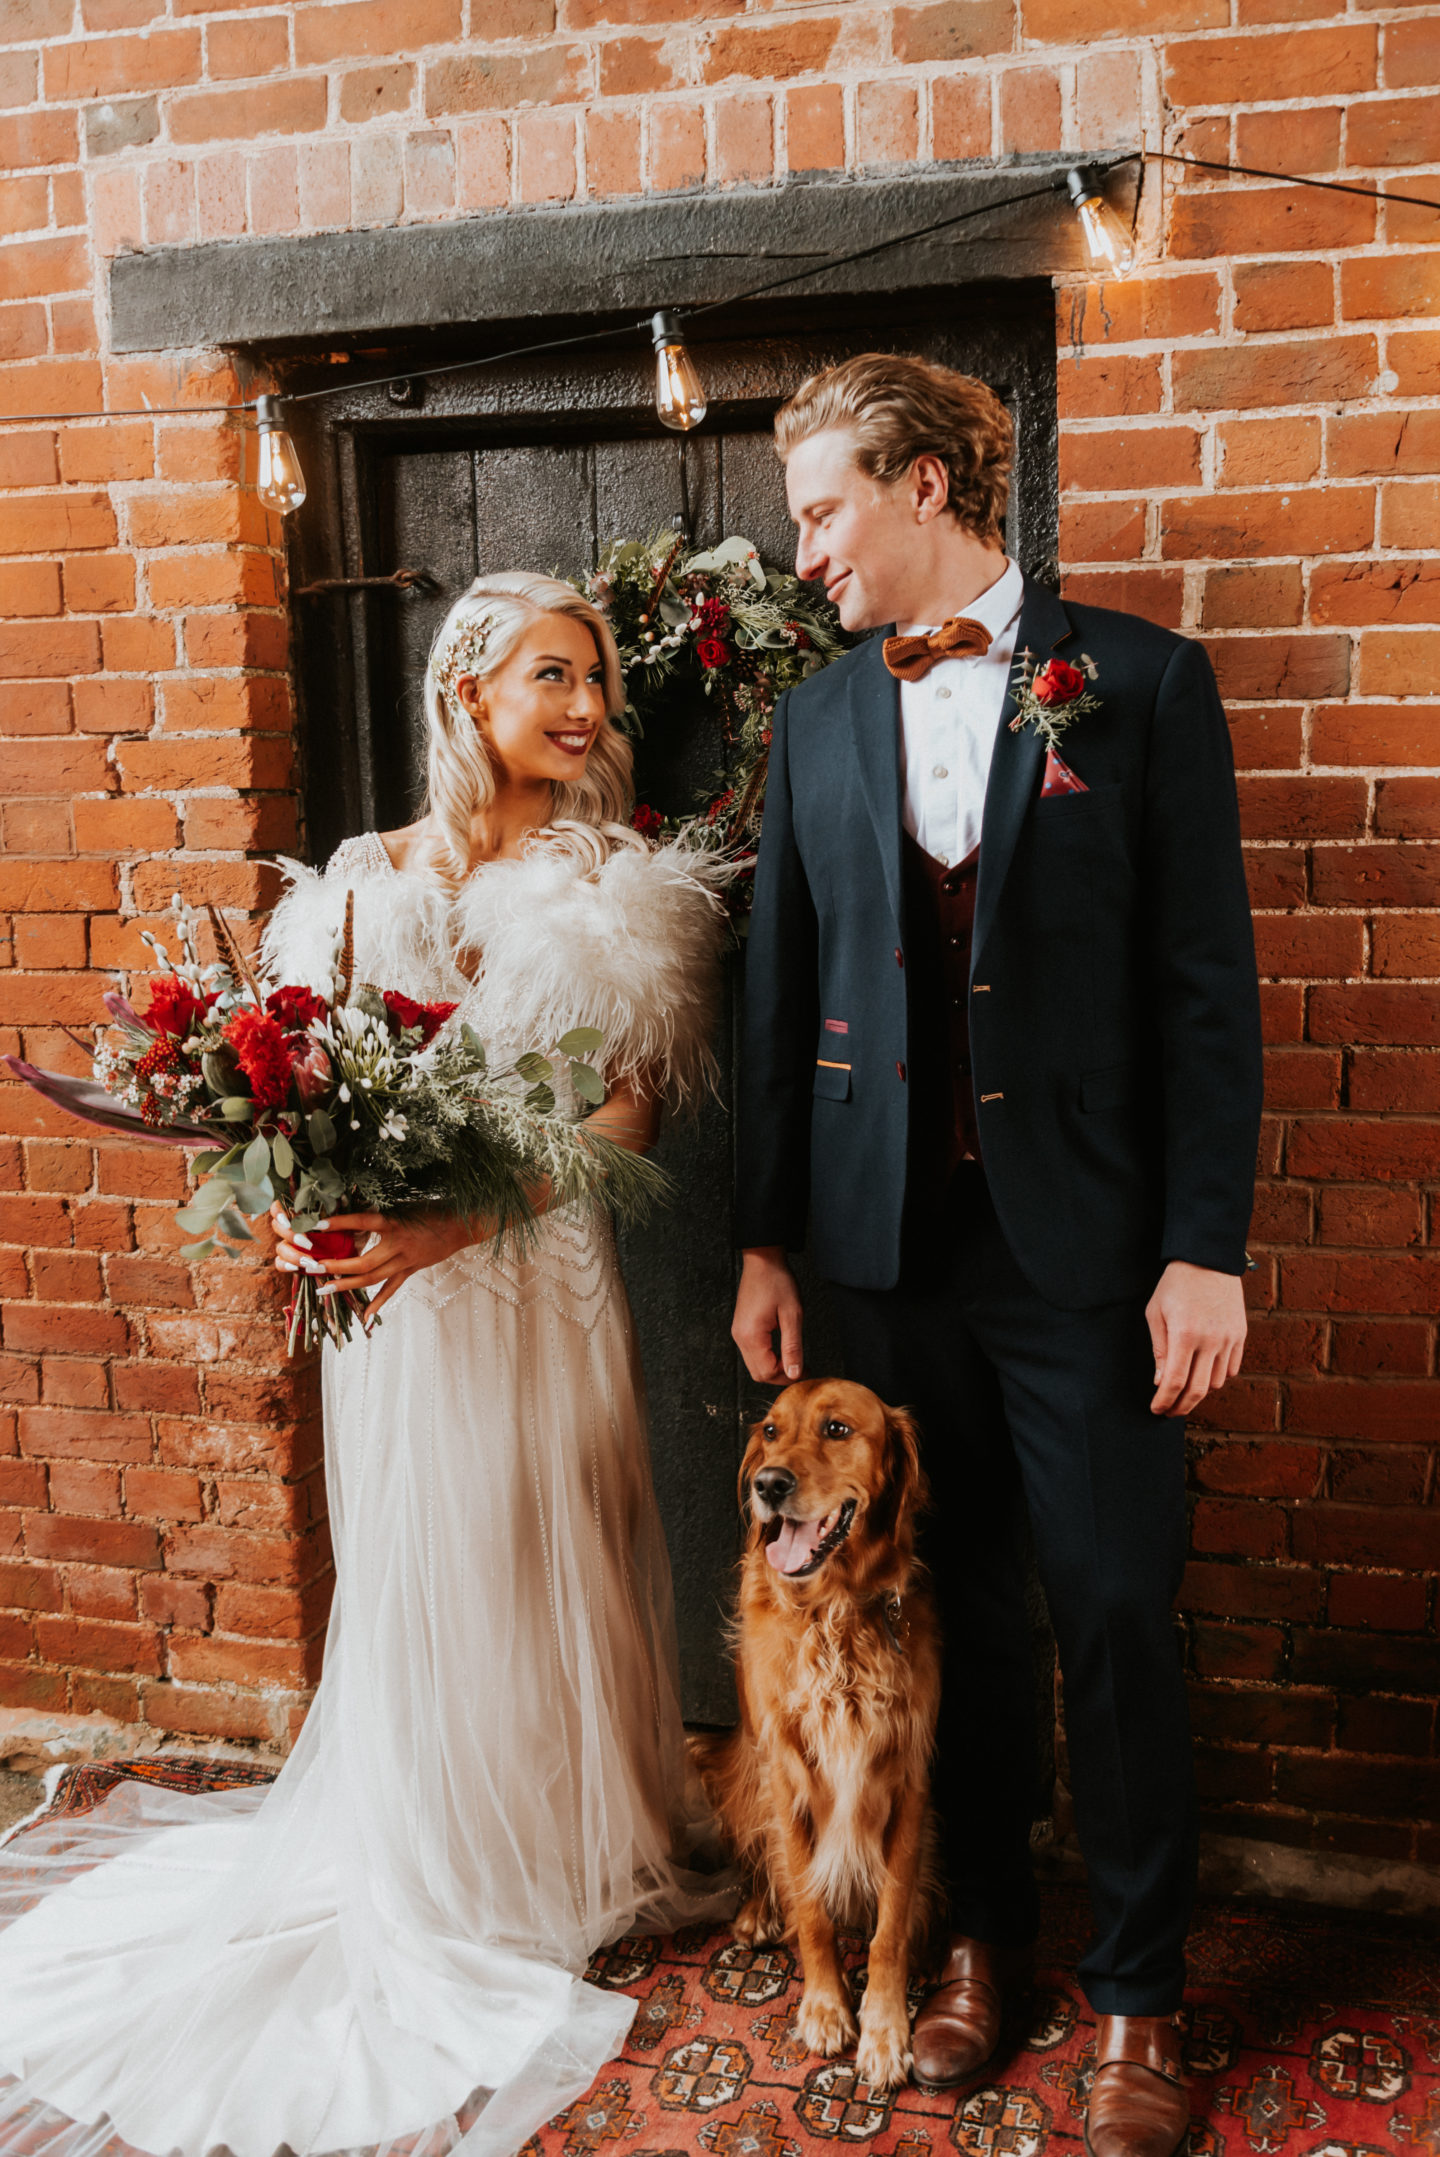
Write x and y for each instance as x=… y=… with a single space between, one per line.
x=458 y=656
x=1052 y=697
x=911 y=658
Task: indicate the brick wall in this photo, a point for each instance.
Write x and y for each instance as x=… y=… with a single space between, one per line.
x=1250 y=451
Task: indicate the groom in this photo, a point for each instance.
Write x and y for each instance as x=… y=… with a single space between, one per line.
x=1002 y=1049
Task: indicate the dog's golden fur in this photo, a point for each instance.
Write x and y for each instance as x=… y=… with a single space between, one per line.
x=824 y=1788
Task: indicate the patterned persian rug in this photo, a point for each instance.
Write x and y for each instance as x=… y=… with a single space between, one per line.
x=1307 y=2034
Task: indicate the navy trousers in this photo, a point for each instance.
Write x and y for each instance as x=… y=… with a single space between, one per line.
x=1024 y=1407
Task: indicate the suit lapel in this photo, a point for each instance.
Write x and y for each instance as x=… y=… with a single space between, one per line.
x=1017 y=763
x=875 y=729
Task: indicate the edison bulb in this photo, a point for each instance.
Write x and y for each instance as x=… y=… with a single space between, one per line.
x=281 y=483
x=679 y=398
x=1112 y=247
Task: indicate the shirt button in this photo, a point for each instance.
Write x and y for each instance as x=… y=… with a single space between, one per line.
x=940 y=771
x=942 y=694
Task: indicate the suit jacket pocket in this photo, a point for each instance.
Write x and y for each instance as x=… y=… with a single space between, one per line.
x=1114 y=1087
x=1061 y=809
x=832 y=1081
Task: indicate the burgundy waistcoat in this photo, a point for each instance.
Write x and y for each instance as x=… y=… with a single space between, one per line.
x=939 y=930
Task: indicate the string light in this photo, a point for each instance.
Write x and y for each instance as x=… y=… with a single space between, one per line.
x=1112 y=247
x=679 y=398
x=281 y=483
x=680 y=401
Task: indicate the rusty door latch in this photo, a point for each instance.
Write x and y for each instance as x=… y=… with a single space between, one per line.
x=399 y=580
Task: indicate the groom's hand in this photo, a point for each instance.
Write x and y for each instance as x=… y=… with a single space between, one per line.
x=1197 y=1329
x=768 y=1303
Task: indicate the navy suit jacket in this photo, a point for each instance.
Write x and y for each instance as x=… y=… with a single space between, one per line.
x=1114 y=1010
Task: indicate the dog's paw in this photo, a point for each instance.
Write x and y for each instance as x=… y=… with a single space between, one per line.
x=825 y=2023
x=882 y=2058
x=758 y=1922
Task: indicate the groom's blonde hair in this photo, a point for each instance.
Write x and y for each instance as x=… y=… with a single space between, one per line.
x=476 y=637
x=896 y=408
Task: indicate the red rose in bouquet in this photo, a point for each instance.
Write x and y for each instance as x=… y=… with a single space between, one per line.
x=293 y=1008
x=712 y=652
x=1057 y=682
x=174 y=1007
x=405 y=1013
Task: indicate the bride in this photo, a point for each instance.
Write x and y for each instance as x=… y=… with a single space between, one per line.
x=385 y=1948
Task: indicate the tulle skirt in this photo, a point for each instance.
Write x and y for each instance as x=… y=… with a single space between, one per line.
x=384 y=1948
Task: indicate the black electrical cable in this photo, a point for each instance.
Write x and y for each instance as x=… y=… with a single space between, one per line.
x=735 y=299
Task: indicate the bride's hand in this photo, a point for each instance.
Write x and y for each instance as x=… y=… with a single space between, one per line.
x=403 y=1247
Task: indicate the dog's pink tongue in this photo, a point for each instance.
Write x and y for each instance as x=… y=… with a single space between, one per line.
x=794 y=1546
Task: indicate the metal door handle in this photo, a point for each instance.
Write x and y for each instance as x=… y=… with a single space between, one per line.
x=399 y=580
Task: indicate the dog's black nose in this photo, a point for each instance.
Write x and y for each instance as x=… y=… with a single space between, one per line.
x=774 y=1485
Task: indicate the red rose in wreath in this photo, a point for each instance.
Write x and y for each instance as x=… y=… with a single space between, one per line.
x=645 y=820
x=174 y=1006
x=712 y=652
x=1058 y=683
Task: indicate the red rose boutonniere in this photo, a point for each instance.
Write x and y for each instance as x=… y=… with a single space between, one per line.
x=1052 y=697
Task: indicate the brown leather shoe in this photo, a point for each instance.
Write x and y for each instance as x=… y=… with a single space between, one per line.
x=959 y=2026
x=1139 y=2096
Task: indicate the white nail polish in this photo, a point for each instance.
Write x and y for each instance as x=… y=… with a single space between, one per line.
x=312 y=1265
x=303 y=1241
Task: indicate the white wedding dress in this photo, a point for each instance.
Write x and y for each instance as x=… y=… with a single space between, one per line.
x=384 y=1948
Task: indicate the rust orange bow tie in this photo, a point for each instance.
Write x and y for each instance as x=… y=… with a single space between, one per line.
x=911 y=658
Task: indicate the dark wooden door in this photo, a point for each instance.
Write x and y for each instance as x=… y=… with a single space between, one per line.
x=538 y=471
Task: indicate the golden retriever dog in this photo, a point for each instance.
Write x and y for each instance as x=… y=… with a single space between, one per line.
x=824 y=1788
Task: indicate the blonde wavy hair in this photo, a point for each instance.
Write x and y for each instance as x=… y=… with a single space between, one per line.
x=897 y=407
x=589 y=816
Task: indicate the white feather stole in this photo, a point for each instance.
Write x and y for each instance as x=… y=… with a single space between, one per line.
x=551 y=941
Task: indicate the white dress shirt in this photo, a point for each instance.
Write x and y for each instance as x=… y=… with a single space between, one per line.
x=948 y=724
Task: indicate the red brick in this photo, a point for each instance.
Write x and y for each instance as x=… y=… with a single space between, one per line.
x=32 y=588
x=612 y=153
x=1268 y=452
x=1385 y=1726
x=1391 y=1080
x=1259 y=1716
x=1379 y=1475
x=118 y=827
x=960 y=124
x=1365 y=1661
x=1239 y=1651
x=35 y=708
x=1385 y=1348
x=293 y=106
x=632 y=66
x=273 y=1613
x=167 y=1493
x=242 y=1662
x=166 y=1601
x=50 y=385
x=1282 y=1592
x=1370 y=1214
x=1407 y=1788
x=92 y=1542
x=1309 y=946
x=1408 y=513
x=770 y=52
x=267 y=822
x=1394 y=131
x=73 y=1382
x=194 y=1711
x=31 y=1587
x=1064 y=21
x=1415 y=359
x=1384 y=443
x=161 y=765
x=1300 y=371
x=1264 y=68
x=66 y=1276
x=1121 y=459
x=1261 y=1468
x=499 y=82
x=1407 y=809
x=1394 y=662
x=148 y=1283
x=151 y=1386
x=71 y=1329
x=22 y=1685
x=256 y=46
x=1299 y=139
x=1316 y=520
x=1375 y=1148
x=84 y=1487
x=28 y=459
x=1357 y=594
x=1029 y=110
x=46 y=648
x=99 y=1647
x=1157 y=594
x=1235 y=1528
x=73 y=1434
x=233 y=1554
x=99 y=584
x=1253 y=596
x=1102 y=531
x=1310 y=808
x=1106 y=384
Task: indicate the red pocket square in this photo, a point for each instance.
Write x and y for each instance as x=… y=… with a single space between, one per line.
x=1059 y=778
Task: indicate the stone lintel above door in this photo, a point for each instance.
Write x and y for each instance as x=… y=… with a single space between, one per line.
x=595 y=260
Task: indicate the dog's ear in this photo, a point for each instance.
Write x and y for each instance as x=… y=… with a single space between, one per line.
x=906 y=1490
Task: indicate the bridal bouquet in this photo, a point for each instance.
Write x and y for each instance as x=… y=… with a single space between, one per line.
x=366 y=1101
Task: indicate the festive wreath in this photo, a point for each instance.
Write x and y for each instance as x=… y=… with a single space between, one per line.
x=723 y=624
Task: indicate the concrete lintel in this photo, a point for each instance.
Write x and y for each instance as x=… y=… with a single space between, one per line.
x=518 y=265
